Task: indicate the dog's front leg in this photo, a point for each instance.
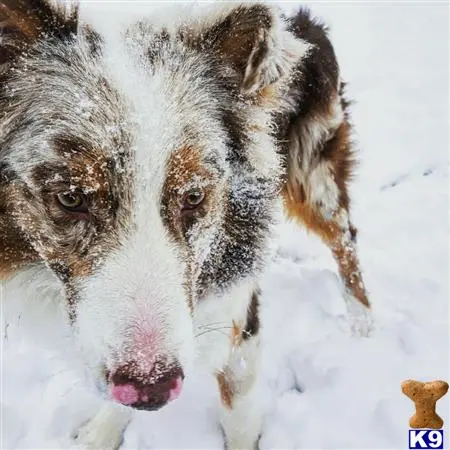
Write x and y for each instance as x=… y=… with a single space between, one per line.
x=105 y=430
x=242 y=411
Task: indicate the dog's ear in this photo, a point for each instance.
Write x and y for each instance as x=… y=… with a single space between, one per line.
x=22 y=22
x=253 y=39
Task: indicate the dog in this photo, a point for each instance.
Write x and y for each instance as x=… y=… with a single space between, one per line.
x=140 y=175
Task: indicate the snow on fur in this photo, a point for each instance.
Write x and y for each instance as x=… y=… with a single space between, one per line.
x=321 y=388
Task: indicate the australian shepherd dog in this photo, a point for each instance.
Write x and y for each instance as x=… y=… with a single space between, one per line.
x=140 y=174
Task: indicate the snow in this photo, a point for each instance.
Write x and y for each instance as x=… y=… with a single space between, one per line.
x=324 y=388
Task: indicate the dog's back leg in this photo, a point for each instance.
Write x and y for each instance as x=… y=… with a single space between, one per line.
x=320 y=159
x=340 y=235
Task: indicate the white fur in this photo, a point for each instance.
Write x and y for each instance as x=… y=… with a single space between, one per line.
x=105 y=430
x=219 y=312
x=33 y=300
x=242 y=422
x=322 y=190
x=138 y=291
x=360 y=319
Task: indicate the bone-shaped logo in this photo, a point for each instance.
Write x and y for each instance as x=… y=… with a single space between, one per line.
x=425 y=396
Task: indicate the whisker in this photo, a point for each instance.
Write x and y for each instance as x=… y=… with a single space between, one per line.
x=218 y=328
x=209 y=330
x=212 y=323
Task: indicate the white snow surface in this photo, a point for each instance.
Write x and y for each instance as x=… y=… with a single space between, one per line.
x=324 y=388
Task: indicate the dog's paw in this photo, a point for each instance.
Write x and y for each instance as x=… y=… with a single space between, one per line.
x=91 y=438
x=360 y=317
x=105 y=431
x=242 y=444
x=362 y=326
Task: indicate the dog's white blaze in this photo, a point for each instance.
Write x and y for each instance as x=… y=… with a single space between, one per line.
x=137 y=295
x=139 y=289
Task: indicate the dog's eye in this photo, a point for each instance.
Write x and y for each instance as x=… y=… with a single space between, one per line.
x=73 y=202
x=193 y=199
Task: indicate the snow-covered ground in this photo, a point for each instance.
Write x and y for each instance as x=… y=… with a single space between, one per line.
x=325 y=388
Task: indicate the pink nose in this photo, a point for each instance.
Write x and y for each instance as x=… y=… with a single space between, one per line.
x=149 y=392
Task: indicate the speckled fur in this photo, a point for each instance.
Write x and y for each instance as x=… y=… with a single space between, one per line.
x=134 y=120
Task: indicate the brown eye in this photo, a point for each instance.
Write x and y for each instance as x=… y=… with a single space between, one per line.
x=192 y=199
x=73 y=202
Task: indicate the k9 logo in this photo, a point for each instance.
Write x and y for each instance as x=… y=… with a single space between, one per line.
x=426 y=439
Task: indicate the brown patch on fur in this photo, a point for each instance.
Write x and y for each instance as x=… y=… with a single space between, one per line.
x=12 y=46
x=236 y=35
x=347 y=259
x=268 y=97
x=308 y=215
x=255 y=128
x=80 y=269
x=241 y=332
x=268 y=93
x=91 y=175
x=226 y=391
x=89 y=172
x=15 y=251
x=236 y=335
x=24 y=21
x=184 y=166
x=15 y=14
x=87 y=167
x=338 y=236
x=69 y=244
x=33 y=17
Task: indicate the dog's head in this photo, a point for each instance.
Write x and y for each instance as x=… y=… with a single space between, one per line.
x=140 y=169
